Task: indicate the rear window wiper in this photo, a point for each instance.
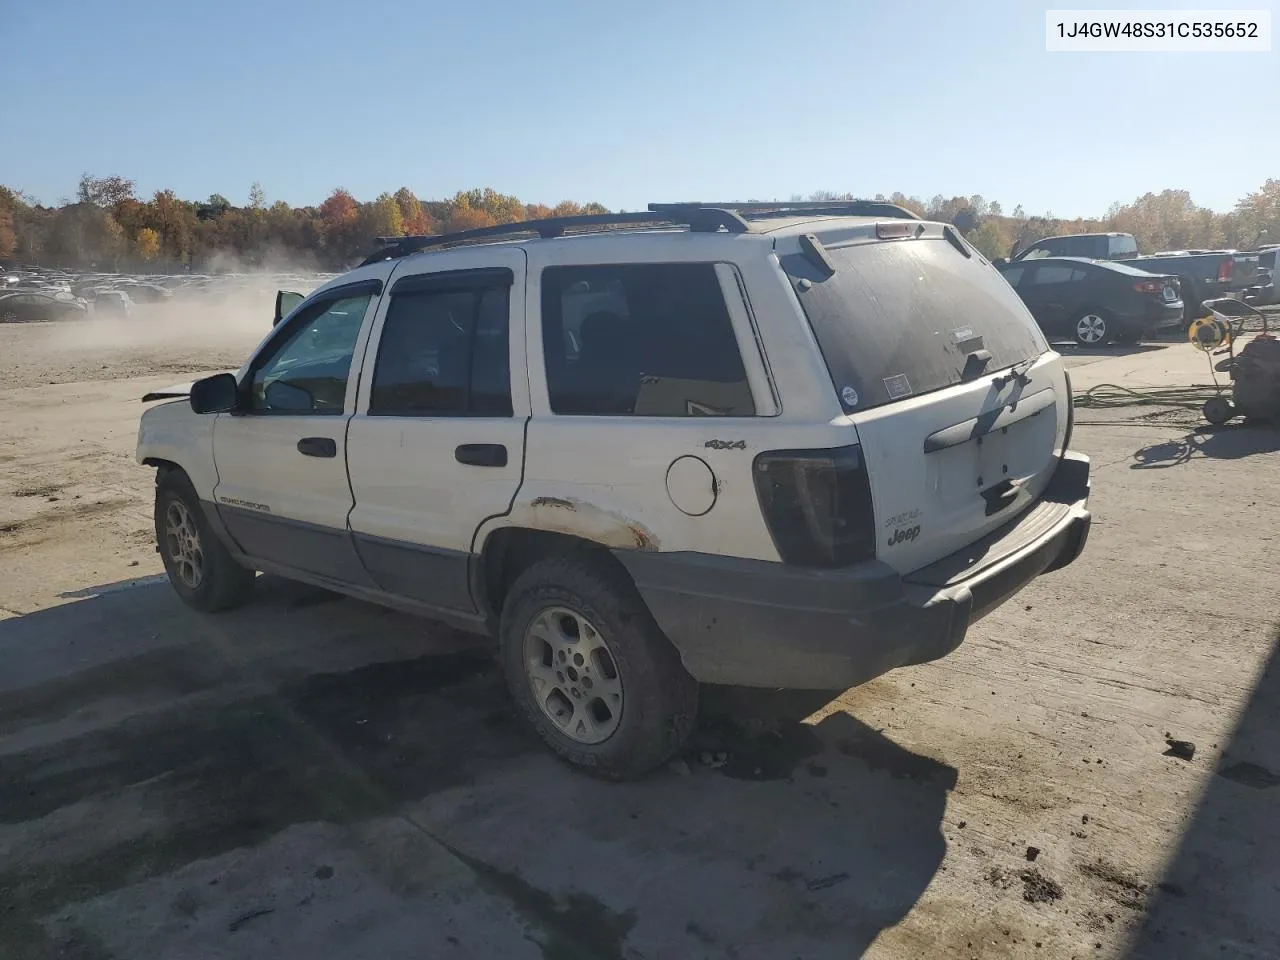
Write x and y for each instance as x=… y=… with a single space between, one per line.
x=1017 y=372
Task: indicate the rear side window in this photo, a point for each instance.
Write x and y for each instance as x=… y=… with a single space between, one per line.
x=1120 y=247
x=1077 y=247
x=1049 y=273
x=644 y=340
x=1013 y=275
x=900 y=318
x=444 y=352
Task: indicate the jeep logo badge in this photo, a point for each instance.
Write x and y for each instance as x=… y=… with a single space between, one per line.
x=904 y=535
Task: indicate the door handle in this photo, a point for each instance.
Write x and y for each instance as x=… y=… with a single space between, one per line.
x=481 y=454
x=318 y=447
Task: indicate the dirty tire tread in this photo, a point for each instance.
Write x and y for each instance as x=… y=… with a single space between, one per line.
x=226 y=583
x=660 y=698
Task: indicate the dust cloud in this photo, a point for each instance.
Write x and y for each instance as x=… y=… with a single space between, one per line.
x=208 y=325
x=235 y=322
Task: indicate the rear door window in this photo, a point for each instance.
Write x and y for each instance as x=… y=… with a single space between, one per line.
x=444 y=351
x=1051 y=273
x=1081 y=246
x=899 y=318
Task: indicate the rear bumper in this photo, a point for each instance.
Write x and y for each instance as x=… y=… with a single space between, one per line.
x=1154 y=317
x=760 y=624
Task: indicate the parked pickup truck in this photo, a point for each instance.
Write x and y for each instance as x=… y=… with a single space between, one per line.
x=1202 y=274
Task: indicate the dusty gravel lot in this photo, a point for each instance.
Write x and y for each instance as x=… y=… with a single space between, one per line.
x=316 y=778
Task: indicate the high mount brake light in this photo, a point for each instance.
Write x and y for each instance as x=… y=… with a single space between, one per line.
x=892 y=231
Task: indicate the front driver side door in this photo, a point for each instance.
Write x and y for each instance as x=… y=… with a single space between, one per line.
x=282 y=490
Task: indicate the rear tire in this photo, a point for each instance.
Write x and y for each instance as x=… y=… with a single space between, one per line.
x=591 y=671
x=1091 y=327
x=1192 y=308
x=201 y=569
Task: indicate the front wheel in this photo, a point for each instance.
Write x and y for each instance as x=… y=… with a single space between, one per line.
x=1092 y=328
x=201 y=569
x=591 y=671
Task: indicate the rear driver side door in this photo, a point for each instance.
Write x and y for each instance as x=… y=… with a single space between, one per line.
x=436 y=446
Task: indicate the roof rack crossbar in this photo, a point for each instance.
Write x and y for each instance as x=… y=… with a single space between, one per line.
x=696 y=219
x=778 y=208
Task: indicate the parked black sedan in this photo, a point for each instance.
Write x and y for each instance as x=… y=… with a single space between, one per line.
x=1095 y=301
x=28 y=306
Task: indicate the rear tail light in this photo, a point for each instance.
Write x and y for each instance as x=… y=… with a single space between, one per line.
x=1149 y=286
x=1225 y=270
x=817 y=505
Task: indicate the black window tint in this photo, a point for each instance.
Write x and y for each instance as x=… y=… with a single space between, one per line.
x=641 y=340
x=1077 y=247
x=1013 y=275
x=444 y=352
x=1048 y=273
x=900 y=317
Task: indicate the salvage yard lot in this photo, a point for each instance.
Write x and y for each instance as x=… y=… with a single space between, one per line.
x=315 y=777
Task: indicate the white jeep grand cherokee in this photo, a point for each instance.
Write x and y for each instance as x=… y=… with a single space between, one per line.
x=785 y=446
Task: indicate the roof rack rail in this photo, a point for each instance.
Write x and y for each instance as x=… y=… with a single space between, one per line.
x=782 y=208
x=698 y=219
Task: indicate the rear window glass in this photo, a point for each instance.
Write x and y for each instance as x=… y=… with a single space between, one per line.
x=899 y=318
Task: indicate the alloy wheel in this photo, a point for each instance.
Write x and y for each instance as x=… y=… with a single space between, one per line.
x=573 y=675
x=182 y=540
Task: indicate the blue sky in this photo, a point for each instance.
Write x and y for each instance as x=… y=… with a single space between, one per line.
x=620 y=102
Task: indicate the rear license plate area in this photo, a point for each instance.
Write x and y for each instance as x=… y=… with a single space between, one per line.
x=961 y=474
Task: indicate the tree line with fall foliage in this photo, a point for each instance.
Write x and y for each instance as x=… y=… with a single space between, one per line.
x=108 y=227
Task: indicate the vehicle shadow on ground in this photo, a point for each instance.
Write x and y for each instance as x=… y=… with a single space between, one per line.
x=1072 y=349
x=1218 y=896
x=139 y=737
x=1229 y=442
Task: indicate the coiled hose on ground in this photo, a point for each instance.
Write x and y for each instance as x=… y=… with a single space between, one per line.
x=1106 y=396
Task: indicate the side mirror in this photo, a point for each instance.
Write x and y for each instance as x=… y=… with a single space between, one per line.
x=999 y=262
x=217 y=394
x=286 y=300
x=287 y=396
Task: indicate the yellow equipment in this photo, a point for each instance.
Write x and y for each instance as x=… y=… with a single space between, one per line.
x=1210 y=333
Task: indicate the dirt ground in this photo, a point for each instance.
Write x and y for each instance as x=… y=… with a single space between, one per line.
x=314 y=777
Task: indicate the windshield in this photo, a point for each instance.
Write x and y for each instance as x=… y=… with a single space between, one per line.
x=900 y=318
